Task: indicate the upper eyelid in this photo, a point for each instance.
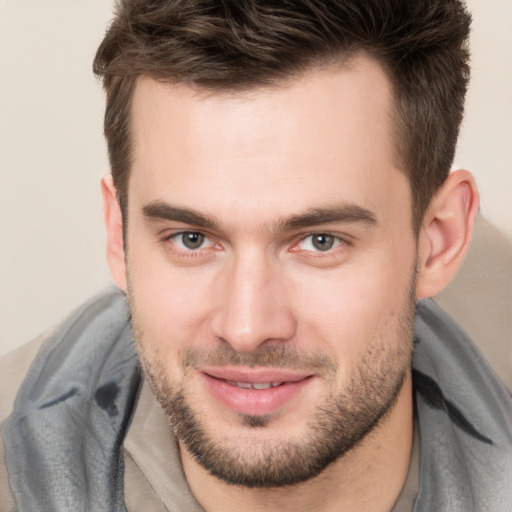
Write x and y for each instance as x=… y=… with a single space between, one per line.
x=326 y=233
x=166 y=235
x=341 y=236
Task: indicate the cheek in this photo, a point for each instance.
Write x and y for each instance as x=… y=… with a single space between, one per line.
x=170 y=305
x=356 y=306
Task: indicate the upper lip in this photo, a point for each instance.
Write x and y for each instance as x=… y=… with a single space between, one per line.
x=256 y=375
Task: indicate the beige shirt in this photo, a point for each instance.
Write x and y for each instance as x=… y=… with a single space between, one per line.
x=154 y=478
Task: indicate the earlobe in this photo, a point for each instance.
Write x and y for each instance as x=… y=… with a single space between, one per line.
x=446 y=233
x=114 y=226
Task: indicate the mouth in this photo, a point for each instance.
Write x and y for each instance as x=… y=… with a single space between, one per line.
x=255 y=391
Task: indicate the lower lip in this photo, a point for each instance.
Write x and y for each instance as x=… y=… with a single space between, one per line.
x=254 y=401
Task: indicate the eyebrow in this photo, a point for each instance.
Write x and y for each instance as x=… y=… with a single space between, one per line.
x=350 y=213
x=159 y=210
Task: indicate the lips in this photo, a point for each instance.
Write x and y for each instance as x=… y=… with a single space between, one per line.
x=254 y=391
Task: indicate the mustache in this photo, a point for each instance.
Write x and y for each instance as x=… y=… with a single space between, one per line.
x=269 y=357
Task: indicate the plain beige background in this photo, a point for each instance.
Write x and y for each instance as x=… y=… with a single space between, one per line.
x=52 y=152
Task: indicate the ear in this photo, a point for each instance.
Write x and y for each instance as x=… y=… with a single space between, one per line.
x=114 y=225
x=446 y=232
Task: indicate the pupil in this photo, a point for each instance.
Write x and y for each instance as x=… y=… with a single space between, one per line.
x=192 y=240
x=323 y=242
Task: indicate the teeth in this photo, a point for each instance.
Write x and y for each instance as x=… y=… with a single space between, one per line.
x=262 y=385
x=255 y=385
x=244 y=385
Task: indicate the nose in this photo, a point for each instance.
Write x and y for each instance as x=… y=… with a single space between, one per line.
x=253 y=305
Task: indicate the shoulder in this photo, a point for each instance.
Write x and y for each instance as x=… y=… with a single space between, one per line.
x=97 y=318
x=13 y=369
x=47 y=382
x=464 y=417
x=480 y=297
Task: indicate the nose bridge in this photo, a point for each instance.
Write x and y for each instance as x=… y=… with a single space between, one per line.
x=254 y=306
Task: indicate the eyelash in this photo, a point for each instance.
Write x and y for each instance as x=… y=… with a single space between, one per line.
x=342 y=244
x=170 y=240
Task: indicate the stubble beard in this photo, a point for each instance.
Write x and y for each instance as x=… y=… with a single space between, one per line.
x=337 y=426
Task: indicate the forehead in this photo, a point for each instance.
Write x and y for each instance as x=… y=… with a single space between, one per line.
x=325 y=137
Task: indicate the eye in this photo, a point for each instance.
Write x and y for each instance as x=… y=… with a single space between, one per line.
x=190 y=247
x=190 y=240
x=321 y=242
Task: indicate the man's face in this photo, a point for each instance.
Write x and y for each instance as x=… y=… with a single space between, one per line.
x=271 y=268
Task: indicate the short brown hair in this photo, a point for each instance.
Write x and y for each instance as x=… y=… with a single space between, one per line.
x=225 y=45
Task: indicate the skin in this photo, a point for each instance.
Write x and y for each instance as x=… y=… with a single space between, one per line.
x=250 y=163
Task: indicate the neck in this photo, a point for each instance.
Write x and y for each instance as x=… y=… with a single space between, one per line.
x=368 y=477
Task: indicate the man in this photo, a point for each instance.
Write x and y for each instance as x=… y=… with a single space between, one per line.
x=280 y=201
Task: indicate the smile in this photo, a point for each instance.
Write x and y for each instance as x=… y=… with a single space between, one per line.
x=254 y=392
